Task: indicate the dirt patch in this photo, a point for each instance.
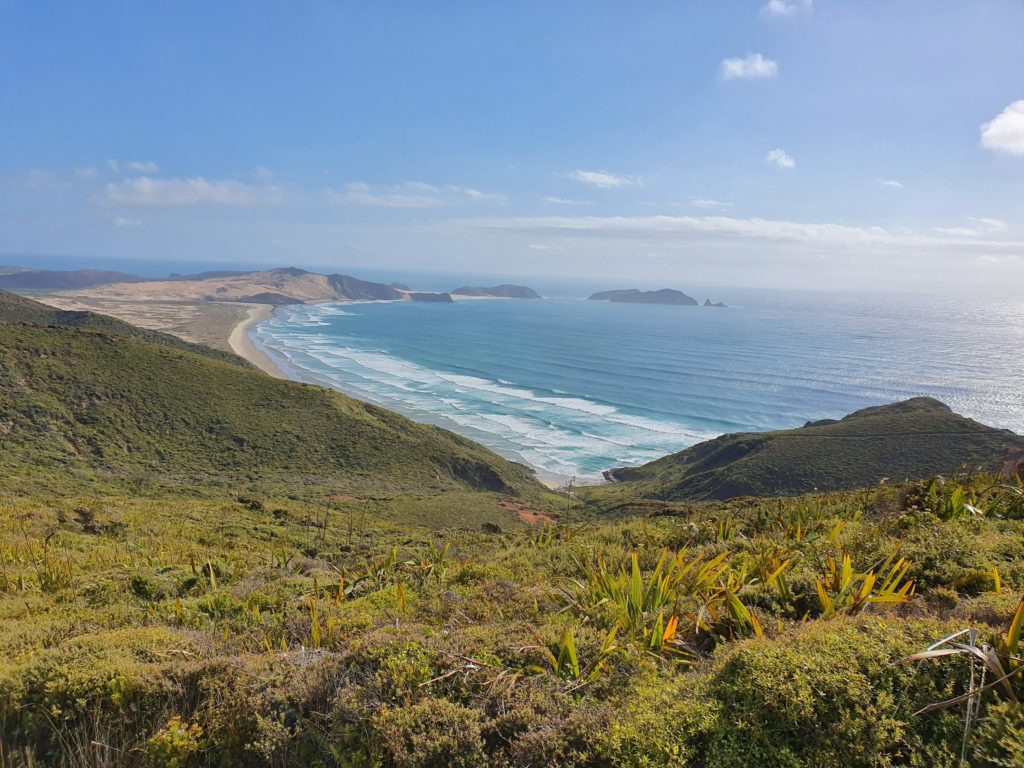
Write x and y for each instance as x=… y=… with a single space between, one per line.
x=527 y=514
x=355 y=499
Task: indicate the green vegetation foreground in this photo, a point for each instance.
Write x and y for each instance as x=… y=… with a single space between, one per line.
x=753 y=632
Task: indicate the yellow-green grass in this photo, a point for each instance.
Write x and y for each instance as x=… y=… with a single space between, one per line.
x=289 y=633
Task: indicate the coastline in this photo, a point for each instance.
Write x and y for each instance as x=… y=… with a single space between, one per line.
x=242 y=345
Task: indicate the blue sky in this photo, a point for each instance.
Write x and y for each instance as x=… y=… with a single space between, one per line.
x=777 y=142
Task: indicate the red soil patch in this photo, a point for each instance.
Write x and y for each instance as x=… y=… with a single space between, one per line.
x=527 y=514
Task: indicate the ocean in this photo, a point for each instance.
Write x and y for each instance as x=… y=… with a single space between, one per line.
x=572 y=387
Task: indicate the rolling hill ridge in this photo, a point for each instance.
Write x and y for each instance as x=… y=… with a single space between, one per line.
x=912 y=439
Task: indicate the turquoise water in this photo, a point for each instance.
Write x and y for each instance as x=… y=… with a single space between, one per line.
x=572 y=387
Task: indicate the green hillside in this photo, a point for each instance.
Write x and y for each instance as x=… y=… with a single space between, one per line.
x=21 y=310
x=101 y=401
x=910 y=440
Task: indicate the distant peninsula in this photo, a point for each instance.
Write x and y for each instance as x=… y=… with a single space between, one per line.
x=503 y=291
x=633 y=296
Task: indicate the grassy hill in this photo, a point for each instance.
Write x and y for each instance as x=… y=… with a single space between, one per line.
x=15 y=309
x=913 y=439
x=105 y=402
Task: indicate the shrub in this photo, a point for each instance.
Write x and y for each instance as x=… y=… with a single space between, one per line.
x=830 y=696
x=660 y=722
x=435 y=733
x=998 y=741
x=174 y=745
x=121 y=676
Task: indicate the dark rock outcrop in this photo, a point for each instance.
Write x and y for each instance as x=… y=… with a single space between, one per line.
x=503 y=291
x=437 y=298
x=634 y=296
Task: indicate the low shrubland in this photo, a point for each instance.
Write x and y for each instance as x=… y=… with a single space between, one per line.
x=237 y=632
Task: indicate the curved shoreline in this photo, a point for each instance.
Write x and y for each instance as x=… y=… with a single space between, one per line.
x=242 y=345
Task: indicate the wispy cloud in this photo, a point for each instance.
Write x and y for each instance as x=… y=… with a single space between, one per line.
x=891 y=183
x=85 y=173
x=778 y=8
x=604 y=179
x=146 y=190
x=753 y=66
x=989 y=224
x=957 y=231
x=728 y=228
x=783 y=8
x=544 y=247
x=412 y=194
x=143 y=167
x=1005 y=132
x=480 y=197
x=780 y=158
x=701 y=202
x=41 y=179
x=122 y=222
x=981 y=226
x=564 y=201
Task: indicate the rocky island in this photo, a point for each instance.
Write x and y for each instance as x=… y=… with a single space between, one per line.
x=634 y=296
x=441 y=298
x=503 y=291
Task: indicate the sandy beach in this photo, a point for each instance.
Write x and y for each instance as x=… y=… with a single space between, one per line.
x=218 y=324
x=242 y=345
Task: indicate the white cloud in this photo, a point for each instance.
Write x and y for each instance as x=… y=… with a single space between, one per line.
x=147 y=167
x=113 y=166
x=753 y=66
x=982 y=226
x=543 y=247
x=87 y=173
x=778 y=8
x=701 y=202
x=782 y=8
x=725 y=228
x=123 y=222
x=1005 y=133
x=989 y=224
x=480 y=197
x=264 y=174
x=412 y=194
x=146 y=190
x=564 y=201
x=604 y=180
x=781 y=158
x=891 y=183
x=958 y=231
